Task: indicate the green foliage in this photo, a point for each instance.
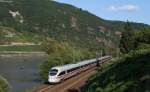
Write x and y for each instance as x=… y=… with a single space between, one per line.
x=129 y=74
x=60 y=54
x=50 y=46
x=143 y=46
x=132 y=40
x=143 y=39
x=127 y=41
x=9 y=35
x=4 y=86
x=47 y=18
x=29 y=48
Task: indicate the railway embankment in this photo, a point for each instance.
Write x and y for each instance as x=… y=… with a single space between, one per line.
x=73 y=84
x=128 y=74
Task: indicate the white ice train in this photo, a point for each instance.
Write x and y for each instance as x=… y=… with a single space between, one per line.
x=60 y=73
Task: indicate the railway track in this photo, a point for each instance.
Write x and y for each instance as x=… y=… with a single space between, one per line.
x=74 y=82
x=65 y=85
x=45 y=89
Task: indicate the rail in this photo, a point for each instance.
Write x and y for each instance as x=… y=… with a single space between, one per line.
x=74 y=82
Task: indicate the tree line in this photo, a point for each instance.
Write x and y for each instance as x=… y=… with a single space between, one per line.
x=134 y=40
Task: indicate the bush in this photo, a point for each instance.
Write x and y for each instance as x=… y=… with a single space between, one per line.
x=129 y=74
x=59 y=58
x=4 y=86
x=143 y=46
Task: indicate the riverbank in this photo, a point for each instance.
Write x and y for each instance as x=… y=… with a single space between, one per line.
x=21 y=53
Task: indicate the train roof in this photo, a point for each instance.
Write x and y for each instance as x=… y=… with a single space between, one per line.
x=70 y=66
x=64 y=67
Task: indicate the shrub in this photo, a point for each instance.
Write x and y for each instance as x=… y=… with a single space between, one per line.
x=4 y=86
x=143 y=46
x=128 y=74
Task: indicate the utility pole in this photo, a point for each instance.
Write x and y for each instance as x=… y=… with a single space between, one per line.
x=101 y=54
x=98 y=57
x=73 y=55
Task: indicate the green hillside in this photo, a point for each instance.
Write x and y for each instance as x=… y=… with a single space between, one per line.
x=34 y=20
x=129 y=74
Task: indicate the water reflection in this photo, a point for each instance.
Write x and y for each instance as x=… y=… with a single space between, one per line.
x=21 y=71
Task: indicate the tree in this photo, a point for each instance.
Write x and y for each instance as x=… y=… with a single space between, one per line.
x=127 y=41
x=4 y=85
x=142 y=38
x=50 y=46
x=60 y=53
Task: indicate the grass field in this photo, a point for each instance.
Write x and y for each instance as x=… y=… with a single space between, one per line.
x=29 y=48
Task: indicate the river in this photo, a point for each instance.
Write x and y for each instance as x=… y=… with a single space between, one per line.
x=21 y=71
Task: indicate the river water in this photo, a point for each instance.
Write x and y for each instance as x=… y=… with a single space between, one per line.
x=21 y=71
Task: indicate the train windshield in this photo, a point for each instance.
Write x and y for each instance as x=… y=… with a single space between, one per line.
x=53 y=72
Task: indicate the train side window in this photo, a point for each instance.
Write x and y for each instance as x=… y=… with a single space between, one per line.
x=71 y=70
x=62 y=73
x=68 y=71
x=82 y=66
x=78 y=67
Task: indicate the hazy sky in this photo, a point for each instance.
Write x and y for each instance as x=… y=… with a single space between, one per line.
x=132 y=10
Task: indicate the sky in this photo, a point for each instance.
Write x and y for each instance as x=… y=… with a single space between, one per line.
x=123 y=10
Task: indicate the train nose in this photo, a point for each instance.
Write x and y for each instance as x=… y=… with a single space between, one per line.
x=53 y=79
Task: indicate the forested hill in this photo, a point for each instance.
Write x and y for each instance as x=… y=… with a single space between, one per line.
x=33 y=20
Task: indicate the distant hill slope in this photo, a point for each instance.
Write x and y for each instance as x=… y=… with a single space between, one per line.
x=130 y=74
x=33 y=20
